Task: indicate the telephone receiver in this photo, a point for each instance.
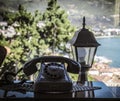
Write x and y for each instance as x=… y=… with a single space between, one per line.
x=30 y=67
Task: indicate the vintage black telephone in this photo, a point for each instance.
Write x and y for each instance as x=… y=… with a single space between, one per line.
x=53 y=76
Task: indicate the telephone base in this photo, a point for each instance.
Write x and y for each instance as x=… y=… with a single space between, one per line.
x=44 y=84
x=53 y=86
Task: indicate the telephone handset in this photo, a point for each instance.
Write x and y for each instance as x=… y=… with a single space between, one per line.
x=53 y=73
x=30 y=66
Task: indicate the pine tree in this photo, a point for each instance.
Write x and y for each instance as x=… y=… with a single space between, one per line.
x=34 y=40
x=28 y=43
x=58 y=30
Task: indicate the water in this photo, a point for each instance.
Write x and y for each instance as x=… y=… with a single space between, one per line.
x=110 y=48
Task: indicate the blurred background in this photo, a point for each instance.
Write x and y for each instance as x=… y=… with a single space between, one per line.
x=99 y=13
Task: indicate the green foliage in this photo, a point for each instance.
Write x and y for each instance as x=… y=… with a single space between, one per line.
x=34 y=39
x=28 y=43
x=58 y=30
x=74 y=77
x=90 y=78
x=3 y=41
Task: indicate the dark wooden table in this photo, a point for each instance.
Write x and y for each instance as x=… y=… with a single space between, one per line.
x=104 y=92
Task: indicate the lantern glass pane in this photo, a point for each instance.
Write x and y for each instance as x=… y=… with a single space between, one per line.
x=90 y=55
x=74 y=53
x=81 y=54
x=86 y=55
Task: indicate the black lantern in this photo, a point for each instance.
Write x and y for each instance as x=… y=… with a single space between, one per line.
x=84 y=47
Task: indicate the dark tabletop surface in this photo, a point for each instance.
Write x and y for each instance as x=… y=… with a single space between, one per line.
x=103 y=92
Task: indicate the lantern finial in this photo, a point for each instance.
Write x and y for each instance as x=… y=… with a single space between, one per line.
x=84 y=22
